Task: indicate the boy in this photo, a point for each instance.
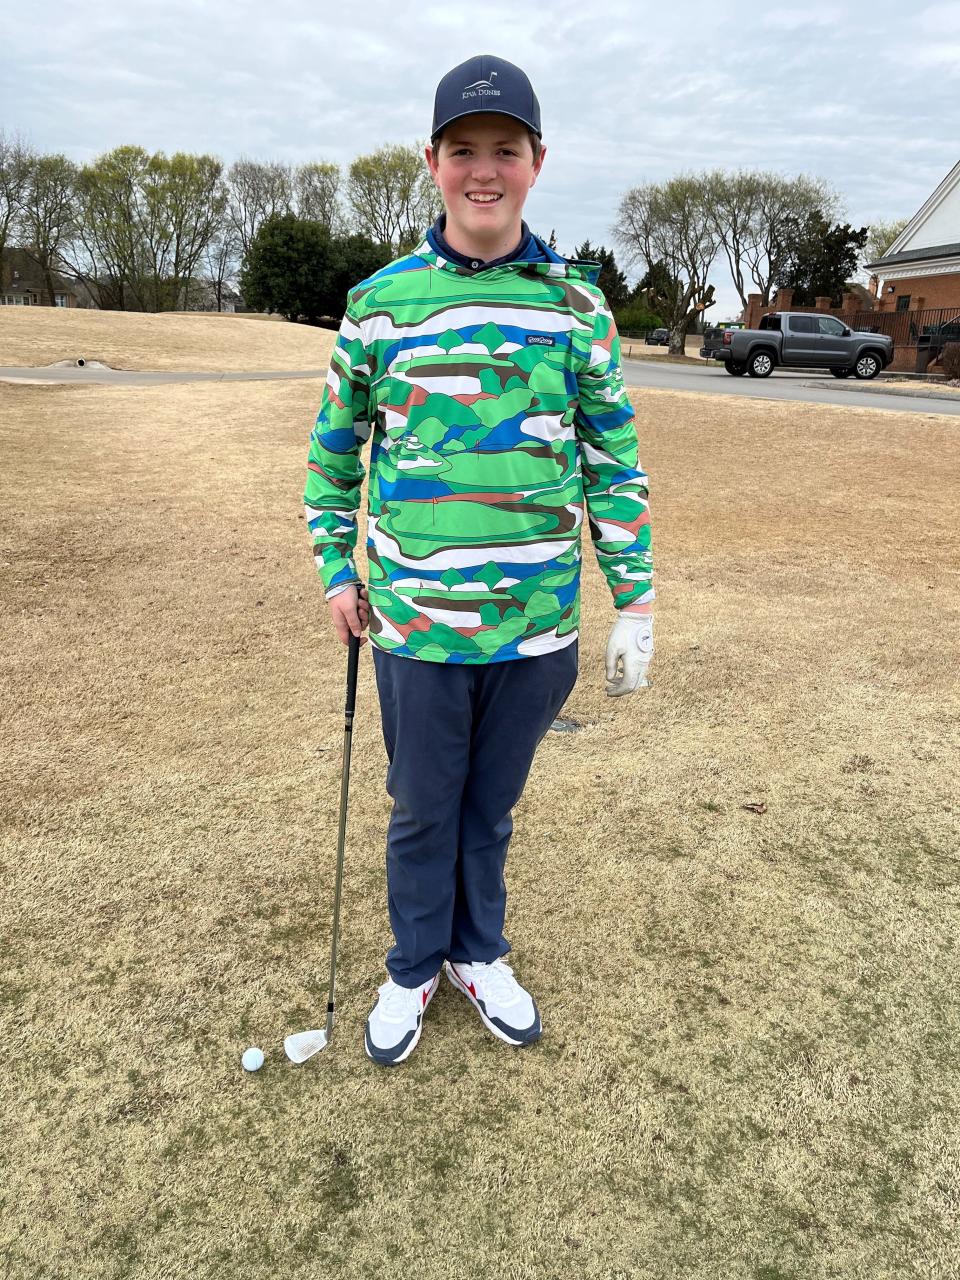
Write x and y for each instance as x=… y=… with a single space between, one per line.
x=487 y=368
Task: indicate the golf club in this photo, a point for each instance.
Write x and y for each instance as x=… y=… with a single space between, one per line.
x=304 y=1044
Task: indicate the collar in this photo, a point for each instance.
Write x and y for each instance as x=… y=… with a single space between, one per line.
x=525 y=251
x=532 y=254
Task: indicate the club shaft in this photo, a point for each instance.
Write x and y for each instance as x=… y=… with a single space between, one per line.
x=353 y=656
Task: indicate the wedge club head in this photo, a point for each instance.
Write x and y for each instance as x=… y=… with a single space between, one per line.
x=305 y=1044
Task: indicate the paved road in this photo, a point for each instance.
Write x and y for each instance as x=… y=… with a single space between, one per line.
x=704 y=379
x=138 y=377
x=708 y=379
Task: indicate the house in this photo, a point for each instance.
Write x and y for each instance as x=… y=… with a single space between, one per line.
x=201 y=294
x=921 y=269
x=22 y=283
x=919 y=278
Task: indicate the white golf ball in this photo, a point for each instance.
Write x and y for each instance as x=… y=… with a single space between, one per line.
x=252 y=1060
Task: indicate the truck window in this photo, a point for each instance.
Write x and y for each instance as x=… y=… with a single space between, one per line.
x=803 y=324
x=769 y=322
x=830 y=327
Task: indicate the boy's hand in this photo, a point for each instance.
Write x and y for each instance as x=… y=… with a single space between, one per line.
x=630 y=648
x=350 y=612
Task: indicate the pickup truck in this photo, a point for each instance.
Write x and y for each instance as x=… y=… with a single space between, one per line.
x=801 y=340
x=713 y=338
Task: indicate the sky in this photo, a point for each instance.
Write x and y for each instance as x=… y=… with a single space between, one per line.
x=866 y=96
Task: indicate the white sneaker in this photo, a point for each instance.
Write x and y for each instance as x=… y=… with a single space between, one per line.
x=505 y=1008
x=396 y=1020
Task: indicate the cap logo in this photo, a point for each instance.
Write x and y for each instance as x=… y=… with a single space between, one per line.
x=482 y=88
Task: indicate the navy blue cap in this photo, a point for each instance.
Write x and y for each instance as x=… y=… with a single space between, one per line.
x=485 y=83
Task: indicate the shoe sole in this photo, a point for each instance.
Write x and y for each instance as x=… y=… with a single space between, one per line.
x=491 y=1027
x=395 y=1062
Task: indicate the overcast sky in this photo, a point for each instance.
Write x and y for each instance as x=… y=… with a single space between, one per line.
x=862 y=94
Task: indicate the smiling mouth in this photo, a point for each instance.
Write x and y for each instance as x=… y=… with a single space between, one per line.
x=495 y=200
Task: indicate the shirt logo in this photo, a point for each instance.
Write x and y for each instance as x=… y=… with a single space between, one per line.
x=482 y=88
x=540 y=340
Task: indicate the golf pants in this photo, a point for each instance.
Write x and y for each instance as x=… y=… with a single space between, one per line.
x=460 y=741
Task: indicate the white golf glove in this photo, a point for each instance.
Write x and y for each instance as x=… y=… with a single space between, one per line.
x=629 y=649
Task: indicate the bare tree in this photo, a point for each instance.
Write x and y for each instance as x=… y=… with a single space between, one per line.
x=257 y=191
x=108 y=253
x=193 y=197
x=759 y=218
x=315 y=187
x=222 y=259
x=144 y=224
x=669 y=228
x=48 y=213
x=881 y=236
x=736 y=201
x=393 y=196
x=16 y=159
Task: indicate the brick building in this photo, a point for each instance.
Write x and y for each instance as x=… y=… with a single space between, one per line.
x=22 y=284
x=921 y=269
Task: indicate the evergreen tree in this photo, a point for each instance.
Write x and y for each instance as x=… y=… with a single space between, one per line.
x=825 y=259
x=611 y=280
x=296 y=268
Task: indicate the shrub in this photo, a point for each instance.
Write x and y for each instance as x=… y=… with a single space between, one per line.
x=635 y=321
x=951 y=360
x=296 y=268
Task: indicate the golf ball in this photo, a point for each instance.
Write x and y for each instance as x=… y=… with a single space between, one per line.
x=252 y=1060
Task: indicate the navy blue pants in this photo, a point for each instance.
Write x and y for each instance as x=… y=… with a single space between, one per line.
x=460 y=741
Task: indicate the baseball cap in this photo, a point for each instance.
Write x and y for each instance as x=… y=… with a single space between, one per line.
x=485 y=83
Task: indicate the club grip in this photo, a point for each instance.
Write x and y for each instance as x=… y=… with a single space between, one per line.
x=353 y=659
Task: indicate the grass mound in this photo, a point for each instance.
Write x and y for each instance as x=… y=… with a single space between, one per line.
x=183 y=341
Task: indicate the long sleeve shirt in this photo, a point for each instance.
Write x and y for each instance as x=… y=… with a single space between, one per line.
x=496 y=406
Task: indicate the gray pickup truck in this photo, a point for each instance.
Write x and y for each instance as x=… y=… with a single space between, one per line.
x=800 y=340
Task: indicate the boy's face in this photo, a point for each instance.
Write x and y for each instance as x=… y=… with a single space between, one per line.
x=482 y=155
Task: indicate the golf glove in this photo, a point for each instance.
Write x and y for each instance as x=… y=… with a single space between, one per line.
x=629 y=651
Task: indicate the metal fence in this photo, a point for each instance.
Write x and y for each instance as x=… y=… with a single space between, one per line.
x=939 y=325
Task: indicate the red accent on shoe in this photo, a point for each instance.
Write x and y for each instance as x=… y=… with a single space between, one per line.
x=469 y=986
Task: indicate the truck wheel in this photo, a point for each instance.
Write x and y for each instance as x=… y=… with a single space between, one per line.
x=868 y=366
x=841 y=373
x=735 y=368
x=760 y=365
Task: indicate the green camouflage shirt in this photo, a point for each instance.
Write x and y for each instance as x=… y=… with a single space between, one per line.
x=496 y=404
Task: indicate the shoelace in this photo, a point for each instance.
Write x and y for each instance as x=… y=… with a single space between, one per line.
x=397 y=1002
x=497 y=978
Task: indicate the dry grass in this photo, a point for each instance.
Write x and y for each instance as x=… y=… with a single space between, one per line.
x=637 y=349
x=751 y=1020
x=184 y=341
x=909 y=387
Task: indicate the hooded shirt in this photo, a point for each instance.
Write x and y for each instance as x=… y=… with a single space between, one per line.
x=497 y=411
